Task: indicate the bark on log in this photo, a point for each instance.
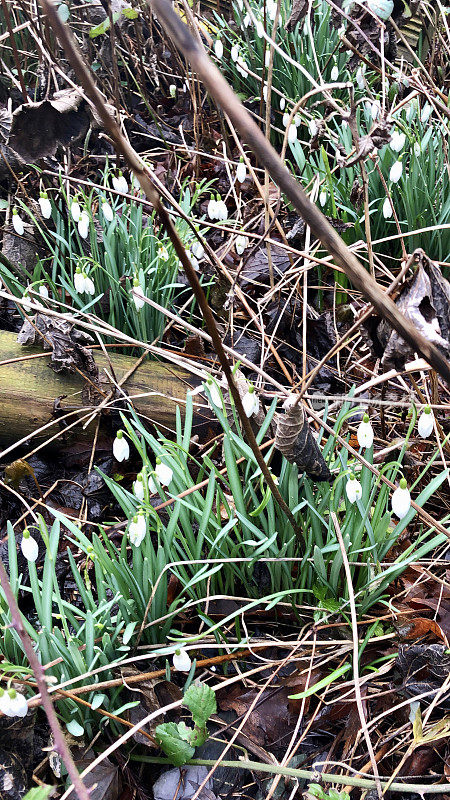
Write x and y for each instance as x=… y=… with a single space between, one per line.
x=30 y=388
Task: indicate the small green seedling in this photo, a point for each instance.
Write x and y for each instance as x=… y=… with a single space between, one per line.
x=177 y=740
x=317 y=791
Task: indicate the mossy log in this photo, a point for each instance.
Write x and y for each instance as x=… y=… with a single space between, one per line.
x=33 y=395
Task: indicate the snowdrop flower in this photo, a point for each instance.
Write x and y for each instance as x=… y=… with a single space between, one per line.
x=240 y=244
x=121 y=448
x=214 y=392
x=4 y=701
x=335 y=73
x=43 y=291
x=75 y=210
x=365 y=432
x=267 y=58
x=235 y=53
x=323 y=198
x=425 y=424
x=282 y=105
x=83 y=224
x=250 y=401
x=286 y=118
x=259 y=29
x=221 y=210
x=360 y=76
x=292 y=133
x=241 y=171
x=120 y=183
x=29 y=546
x=417 y=149
x=396 y=171
x=173 y=91
x=212 y=208
x=426 y=113
x=218 y=48
x=241 y=66
x=181 y=660
x=45 y=204
x=17 y=222
x=312 y=127
x=353 y=489
x=163 y=253
x=108 y=213
x=398 y=140
x=89 y=285
x=138 y=486
x=16 y=704
x=137 y=530
x=197 y=249
x=247 y=20
x=387 y=208
x=138 y=295
x=375 y=109
x=271 y=9
x=79 y=281
x=401 y=500
x=164 y=475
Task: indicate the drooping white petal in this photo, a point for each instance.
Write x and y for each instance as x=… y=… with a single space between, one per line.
x=212 y=209
x=89 y=286
x=17 y=224
x=398 y=140
x=197 y=249
x=360 y=77
x=387 y=208
x=250 y=402
x=322 y=198
x=138 y=295
x=353 y=490
x=401 y=500
x=292 y=133
x=164 y=474
x=218 y=48
x=30 y=548
x=335 y=73
x=312 y=127
x=425 y=423
x=46 y=207
x=181 y=660
x=108 y=213
x=240 y=244
x=43 y=291
x=75 y=210
x=79 y=282
x=215 y=394
x=121 y=448
x=396 y=171
x=235 y=53
x=365 y=433
x=241 y=172
x=138 y=489
x=83 y=225
x=18 y=706
x=137 y=530
x=282 y=104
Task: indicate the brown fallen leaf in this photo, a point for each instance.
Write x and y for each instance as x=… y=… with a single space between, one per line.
x=294 y=439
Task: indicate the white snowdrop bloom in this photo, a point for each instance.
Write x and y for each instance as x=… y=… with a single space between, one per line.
x=240 y=244
x=417 y=149
x=138 y=295
x=197 y=249
x=181 y=660
x=375 y=109
x=218 y=48
x=398 y=140
x=312 y=127
x=235 y=53
x=221 y=210
x=401 y=500
x=265 y=92
x=212 y=208
x=323 y=198
x=387 y=208
x=247 y=20
x=83 y=225
x=163 y=253
x=360 y=77
x=250 y=401
x=89 y=285
x=43 y=291
x=79 y=281
x=292 y=133
x=75 y=210
x=4 y=702
x=297 y=120
x=365 y=432
x=214 y=392
x=29 y=546
x=163 y=473
x=271 y=9
x=241 y=66
x=121 y=448
x=241 y=171
x=17 y=222
x=282 y=104
x=259 y=29
x=396 y=171
x=45 y=205
x=18 y=706
x=426 y=113
x=267 y=58
x=120 y=183
x=138 y=487
x=286 y=117
x=240 y=4
x=137 y=530
x=107 y=211
x=173 y=91
x=425 y=423
x=353 y=489
x=335 y=73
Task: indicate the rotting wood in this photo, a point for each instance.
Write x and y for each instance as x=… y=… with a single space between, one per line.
x=29 y=390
